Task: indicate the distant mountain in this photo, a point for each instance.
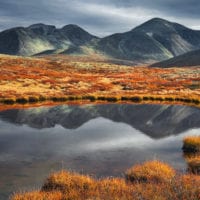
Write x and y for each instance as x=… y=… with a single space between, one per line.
x=40 y=38
x=185 y=60
x=156 y=121
x=155 y=40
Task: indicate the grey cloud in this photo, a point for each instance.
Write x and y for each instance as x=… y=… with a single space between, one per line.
x=100 y=17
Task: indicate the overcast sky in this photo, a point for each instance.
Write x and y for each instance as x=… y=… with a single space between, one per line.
x=100 y=17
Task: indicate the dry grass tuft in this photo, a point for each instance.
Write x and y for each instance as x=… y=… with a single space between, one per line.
x=114 y=188
x=69 y=183
x=151 y=171
x=194 y=164
x=191 y=144
x=71 y=186
x=37 y=195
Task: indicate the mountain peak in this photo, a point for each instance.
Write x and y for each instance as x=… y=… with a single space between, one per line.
x=40 y=25
x=76 y=34
x=71 y=27
x=156 y=24
x=158 y=20
x=159 y=24
x=42 y=28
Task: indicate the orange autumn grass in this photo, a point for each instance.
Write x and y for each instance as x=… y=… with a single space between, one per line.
x=191 y=144
x=194 y=164
x=191 y=148
x=38 y=195
x=56 y=78
x=152 y=171
x=72 y=186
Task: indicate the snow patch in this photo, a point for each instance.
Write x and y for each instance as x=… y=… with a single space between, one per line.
x=150 y=34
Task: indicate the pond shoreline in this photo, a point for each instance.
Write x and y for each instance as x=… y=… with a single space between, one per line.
x=6 y=104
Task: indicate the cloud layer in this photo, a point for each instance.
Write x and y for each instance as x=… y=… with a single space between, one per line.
x=100 y=17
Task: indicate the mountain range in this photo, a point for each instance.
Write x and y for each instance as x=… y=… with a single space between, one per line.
x=41 y=38
x=153 y=41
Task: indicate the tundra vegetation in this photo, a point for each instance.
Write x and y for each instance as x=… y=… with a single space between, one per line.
x=154 y=180
x=151 y=180
x=71 y=78
x=191 y=148
x=191 y=144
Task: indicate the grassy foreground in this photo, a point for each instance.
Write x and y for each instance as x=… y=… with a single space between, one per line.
x=191 y=149
x=191 y=144
x=152 y=180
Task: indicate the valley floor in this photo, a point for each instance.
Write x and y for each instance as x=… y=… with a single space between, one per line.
x=50 y=78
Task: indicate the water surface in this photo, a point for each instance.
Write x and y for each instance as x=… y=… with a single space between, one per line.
x=102 y=140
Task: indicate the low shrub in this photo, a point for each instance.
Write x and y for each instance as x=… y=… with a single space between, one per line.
x=151 y=171
x=159 y=99
x=194 y=164
x=71 y=98
x=114 y=188
x=22 y=100
x=90 y=97
x=136 y=99
x=59 y=99
x=169 y=99
x=191 y=144
x=42 y=98
x=145 y=98
x=101 y=98
x=151 y=98
x=65 y=181
x=187 y=100
x=37 y=195
x=111 y=99
x=9 y=101
x=72 y=186
x=33 y=99
x=125 y=98
x=195 y=101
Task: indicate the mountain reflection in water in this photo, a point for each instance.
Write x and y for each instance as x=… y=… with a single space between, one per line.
x=157 y=121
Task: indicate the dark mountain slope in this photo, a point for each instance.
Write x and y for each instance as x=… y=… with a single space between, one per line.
x=156 y=39
x=76 y=35
x=39 y=38
x=188 y=59
x=174 y=37
x=133 y=45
